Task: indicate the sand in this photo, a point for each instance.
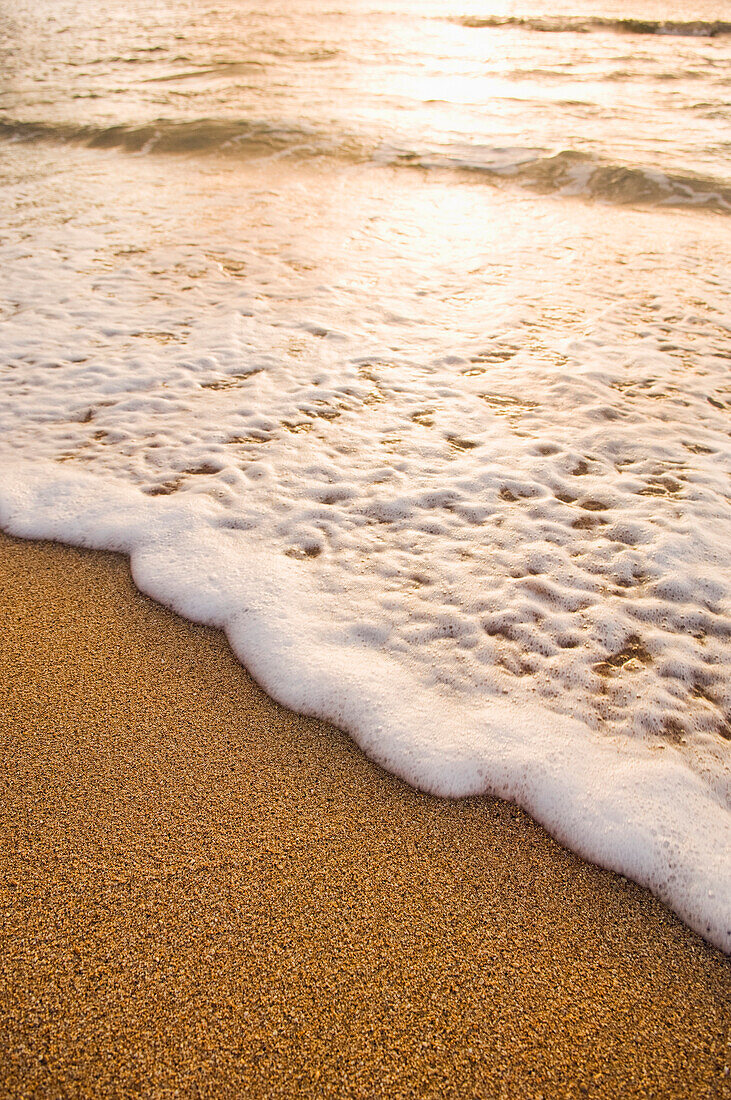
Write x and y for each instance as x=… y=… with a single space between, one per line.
x=206 y=895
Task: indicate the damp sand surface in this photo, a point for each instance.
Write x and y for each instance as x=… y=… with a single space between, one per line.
x=206 y=895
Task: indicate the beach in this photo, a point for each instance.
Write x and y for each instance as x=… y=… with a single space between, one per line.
x=206 y=895
x=364 y=549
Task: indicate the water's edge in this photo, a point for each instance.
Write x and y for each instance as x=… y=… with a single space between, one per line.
x=605 y=810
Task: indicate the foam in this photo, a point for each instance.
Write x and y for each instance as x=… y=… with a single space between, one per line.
x=481 y=524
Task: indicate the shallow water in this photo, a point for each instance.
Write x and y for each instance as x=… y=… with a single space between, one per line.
x=395 y=340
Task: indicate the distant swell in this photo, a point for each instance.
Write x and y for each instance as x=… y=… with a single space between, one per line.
x=567 y=172
x=697 y=28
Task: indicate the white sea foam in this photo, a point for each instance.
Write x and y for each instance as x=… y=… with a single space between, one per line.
x=479 y=522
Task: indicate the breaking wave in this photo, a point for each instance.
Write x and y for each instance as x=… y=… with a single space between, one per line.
x=242 y=137
x=570 y=172
x=567 y=172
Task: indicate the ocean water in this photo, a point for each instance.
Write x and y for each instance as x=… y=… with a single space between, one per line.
x=394 y=339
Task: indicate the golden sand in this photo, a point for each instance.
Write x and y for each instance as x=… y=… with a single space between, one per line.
x=205 y=895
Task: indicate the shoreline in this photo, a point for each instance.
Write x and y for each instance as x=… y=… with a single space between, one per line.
x=206 y=892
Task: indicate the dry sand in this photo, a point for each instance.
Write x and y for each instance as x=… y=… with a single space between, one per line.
x=206 y=895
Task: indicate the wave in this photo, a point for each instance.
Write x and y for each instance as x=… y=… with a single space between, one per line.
x=696 y=28
x=568 y=172
x=236 y=136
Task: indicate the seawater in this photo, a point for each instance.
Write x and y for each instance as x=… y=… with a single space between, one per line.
x=394 y=340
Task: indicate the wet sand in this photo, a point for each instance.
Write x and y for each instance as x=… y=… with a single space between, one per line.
x=205 y=895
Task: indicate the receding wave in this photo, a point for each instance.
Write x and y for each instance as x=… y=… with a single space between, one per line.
x=696 y=28
x=568 y=172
